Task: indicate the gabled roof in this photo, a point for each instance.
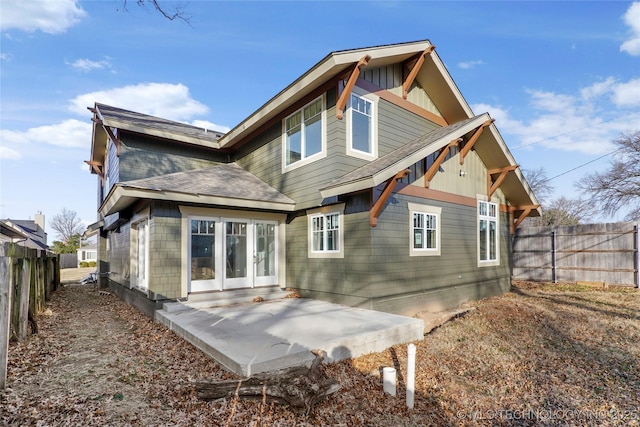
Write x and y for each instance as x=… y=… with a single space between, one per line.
x=433 y=77
x=491 y=149
x=225 y=185
x=24 y=231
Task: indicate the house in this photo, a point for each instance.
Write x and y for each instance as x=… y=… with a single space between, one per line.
x=368 y=181
x=29 y=233
x=87 y=254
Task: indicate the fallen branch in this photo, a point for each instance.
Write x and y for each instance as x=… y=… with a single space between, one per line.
x=300 y=387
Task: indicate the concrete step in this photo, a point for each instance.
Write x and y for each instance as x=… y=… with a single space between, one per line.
x=225 y=298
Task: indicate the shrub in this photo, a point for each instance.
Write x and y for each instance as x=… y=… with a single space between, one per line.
x=92 y=264
x=84 y=264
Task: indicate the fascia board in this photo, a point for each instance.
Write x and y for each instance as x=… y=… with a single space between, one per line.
x=159 y=133
x=123 y=196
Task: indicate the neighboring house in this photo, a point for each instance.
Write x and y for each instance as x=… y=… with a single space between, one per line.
x=29 y=233
x=368 y=181
x=87 y=254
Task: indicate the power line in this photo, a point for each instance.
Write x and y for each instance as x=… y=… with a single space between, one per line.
x=584 y=164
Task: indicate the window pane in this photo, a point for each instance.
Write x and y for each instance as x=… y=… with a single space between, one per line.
x=418 y=239
x=483 y=240
x=493 y=244
x=332 y=240
x=361 y=132
x=194 y=226
x=313 y=136
x=236 y=249
x=431 y=239
x=483 y=208
x=294 y=145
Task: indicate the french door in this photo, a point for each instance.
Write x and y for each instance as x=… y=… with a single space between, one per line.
x=232 y=253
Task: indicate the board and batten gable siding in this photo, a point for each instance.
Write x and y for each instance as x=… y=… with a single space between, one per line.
x=391 y=78
x=142 y=157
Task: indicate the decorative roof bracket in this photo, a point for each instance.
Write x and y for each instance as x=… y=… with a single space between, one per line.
x=526 y=210
x=97 y=167
x=377 y=207
x=408 y=81
x=492 y=187
x=355 y=73
x=109 y=131
x=469 y=145
x=428 y=176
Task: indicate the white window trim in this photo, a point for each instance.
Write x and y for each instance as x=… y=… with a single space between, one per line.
x=326 y=210
x=374 y=125
x=432 y=210
x=313 y=158
x=495 y=262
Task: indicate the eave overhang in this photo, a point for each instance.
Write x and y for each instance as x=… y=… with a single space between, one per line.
x=123 y=196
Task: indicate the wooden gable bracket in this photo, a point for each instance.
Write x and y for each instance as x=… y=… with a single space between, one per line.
x=469 y=145
x=342 y=101
x=428 y=176
x=97 y=168
x=377 y=207
x=491 y=188
x=408 y=81
x=109 y=131
x=526 y=210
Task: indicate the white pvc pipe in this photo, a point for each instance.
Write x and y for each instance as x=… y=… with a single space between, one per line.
x=389 y=380
x=411 y=374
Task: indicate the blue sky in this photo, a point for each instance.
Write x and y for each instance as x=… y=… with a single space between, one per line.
x=562 y=79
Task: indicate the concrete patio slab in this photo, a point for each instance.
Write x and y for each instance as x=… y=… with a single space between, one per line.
x=258 y=337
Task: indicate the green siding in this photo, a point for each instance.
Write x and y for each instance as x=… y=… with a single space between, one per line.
x=377 y=271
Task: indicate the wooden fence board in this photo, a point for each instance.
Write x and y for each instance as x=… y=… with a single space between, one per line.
x=590 y=252
x=5 y=316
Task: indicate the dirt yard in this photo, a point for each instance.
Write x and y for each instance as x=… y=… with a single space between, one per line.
x=540 y=355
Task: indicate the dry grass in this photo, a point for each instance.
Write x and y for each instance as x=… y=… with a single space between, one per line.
x=539 y=355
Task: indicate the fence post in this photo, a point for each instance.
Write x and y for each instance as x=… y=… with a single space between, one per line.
x=636 y=257
x=6 y=286
x=554 y=264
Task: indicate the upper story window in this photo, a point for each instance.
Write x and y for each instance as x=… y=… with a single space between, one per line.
x=362 y=125
x=303 y=135
x=488 y=233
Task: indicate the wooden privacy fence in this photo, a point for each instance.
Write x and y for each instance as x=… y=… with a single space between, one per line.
x=605 y=253
x=27 y=278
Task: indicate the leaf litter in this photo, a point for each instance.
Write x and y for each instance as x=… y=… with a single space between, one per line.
x=541 y=354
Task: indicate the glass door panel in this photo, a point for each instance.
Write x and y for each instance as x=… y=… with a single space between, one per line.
x=237 y=255
x=203 y=256
x=265 y=253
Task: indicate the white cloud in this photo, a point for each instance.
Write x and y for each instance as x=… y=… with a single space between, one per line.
x=212 y=126
x=50 y=16
x=9 y=153
x=5 y=57
x=632 y=19
x=470 y=64
x=627 y=94
x=586 y=122
x=67 y=134
x=166 y=100
x=88 y=65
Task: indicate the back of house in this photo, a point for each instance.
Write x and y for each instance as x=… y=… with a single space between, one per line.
x=368 y=181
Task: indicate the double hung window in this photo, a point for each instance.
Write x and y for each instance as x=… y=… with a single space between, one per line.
x=326 y=239
x=362 y=138
x=304 y=134
x=487 y=232
x=425 y=230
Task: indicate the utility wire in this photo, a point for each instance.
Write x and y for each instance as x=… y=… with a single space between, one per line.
x=583 y=165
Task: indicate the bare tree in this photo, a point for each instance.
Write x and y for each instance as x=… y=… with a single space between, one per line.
x=67 y=224
x=538 y=182
x=178 y=12
x=619 y=186
x=564 y=211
